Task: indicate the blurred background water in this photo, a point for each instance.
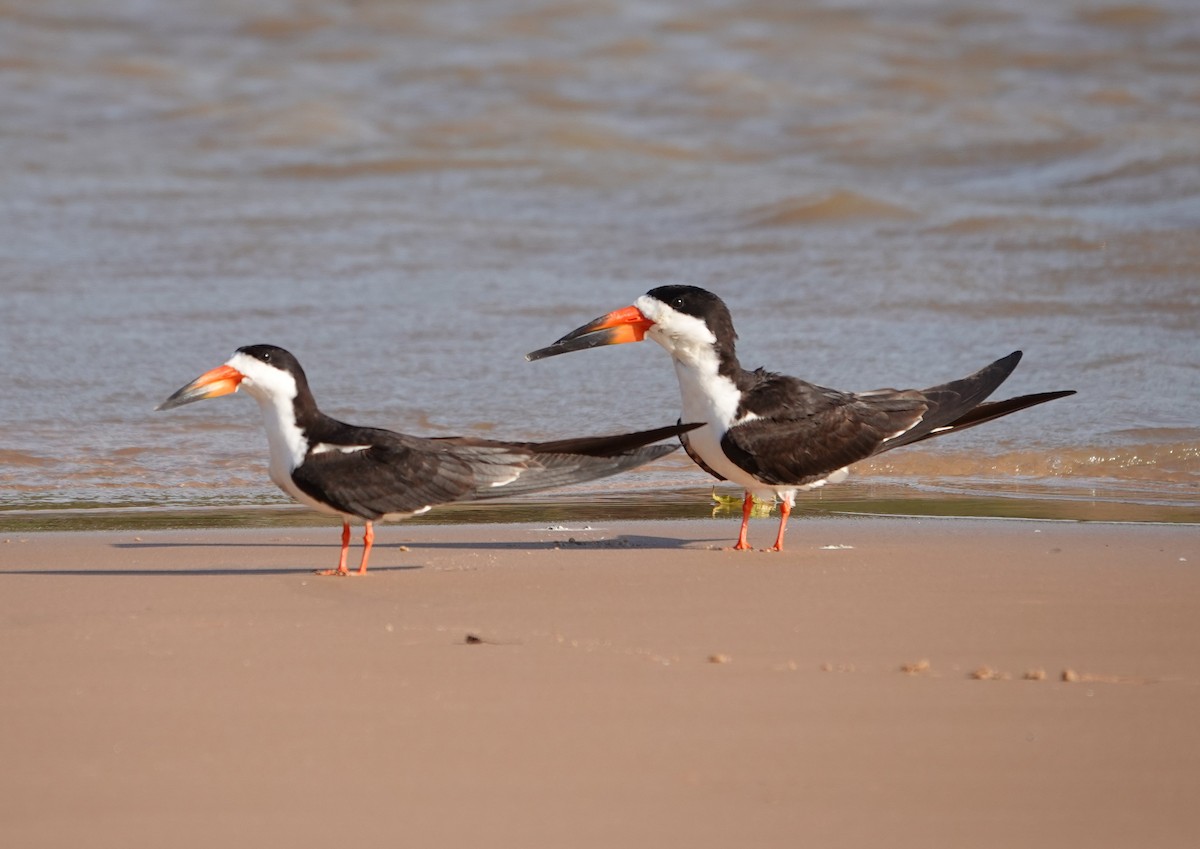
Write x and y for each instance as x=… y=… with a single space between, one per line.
x=412 y=195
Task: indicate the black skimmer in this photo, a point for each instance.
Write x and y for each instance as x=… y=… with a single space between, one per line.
x=372 y=474
x=773 y=434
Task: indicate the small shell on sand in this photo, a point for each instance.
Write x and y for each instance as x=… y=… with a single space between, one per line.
x=986 y=673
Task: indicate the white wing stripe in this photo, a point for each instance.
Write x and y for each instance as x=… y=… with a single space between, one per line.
x=325 y=448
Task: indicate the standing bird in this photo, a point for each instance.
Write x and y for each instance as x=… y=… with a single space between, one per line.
x=373 y=474
x=773 y=434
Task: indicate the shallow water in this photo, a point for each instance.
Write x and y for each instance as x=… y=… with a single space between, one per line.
x=412 y=196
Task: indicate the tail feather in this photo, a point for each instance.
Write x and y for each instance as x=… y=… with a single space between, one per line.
x=571 y=461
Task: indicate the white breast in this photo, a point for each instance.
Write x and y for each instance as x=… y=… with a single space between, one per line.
x=713 y=398
x=288 y=446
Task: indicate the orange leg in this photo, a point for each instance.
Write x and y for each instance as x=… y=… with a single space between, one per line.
x=368 y=541
x=785 y=510
x=747 y=506
x=341 y=567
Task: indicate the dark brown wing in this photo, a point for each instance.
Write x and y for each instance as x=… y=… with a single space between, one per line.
x=404 y=474
x=397 y=474
x=804 y=432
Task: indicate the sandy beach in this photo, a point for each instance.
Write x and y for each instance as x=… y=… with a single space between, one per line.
x=886 y=682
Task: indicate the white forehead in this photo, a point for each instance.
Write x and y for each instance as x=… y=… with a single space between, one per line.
x=261 y=379
x=669 y=322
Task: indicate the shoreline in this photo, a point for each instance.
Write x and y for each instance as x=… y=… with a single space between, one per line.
x=884 y=681
x=855 y=498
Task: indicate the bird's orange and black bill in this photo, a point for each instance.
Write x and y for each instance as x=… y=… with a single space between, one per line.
x=219 y=381
x=619 y=326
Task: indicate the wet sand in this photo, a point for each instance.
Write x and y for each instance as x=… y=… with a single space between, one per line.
x=886 y=682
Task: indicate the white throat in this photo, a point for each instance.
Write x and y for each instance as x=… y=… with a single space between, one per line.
x=287 y=441
x=707 y=395
x=275 y=392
